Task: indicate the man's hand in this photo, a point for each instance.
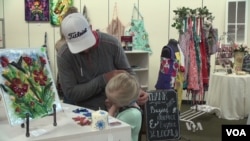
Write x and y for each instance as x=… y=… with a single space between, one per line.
x=112 y=73
x=108 y=104
x=143 y=98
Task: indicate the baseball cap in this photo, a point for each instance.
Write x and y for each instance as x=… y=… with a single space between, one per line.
x=77 y=33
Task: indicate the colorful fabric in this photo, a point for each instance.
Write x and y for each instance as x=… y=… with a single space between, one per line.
x=179 y=80
x=184 y=43
x=204 y=62
x=168 y=71
x=192 y=70
x=138 y=32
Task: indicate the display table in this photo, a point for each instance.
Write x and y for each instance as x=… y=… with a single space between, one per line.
x=67 y=129
x=230 y=93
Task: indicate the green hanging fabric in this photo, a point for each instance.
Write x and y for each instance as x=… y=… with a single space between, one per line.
x=138 y=32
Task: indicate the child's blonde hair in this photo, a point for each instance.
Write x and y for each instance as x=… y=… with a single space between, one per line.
x=123 y=89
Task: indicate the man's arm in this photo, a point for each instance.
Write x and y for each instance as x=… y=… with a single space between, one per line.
x=71 y=89
x=79 y=92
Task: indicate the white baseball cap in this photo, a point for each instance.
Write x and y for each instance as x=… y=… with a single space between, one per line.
x=77 y=33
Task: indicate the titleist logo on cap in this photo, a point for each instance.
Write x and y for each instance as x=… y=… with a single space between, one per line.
x=77 y=34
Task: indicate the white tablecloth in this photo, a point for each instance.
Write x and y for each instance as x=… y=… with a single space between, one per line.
x=230 y=93
x=66 y=130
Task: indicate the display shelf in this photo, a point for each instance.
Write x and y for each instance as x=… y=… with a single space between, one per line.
x=139 y=61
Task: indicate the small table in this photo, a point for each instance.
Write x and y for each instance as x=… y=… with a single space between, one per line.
x=66 y=129
x=231 y=94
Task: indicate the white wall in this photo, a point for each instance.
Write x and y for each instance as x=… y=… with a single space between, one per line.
x=158 y=15
x=248 y=23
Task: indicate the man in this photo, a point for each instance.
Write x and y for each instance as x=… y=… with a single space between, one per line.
x=60 y=43
x=87 y=62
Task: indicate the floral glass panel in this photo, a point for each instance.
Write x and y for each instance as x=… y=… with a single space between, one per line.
x=26 y=84
x=58 y=9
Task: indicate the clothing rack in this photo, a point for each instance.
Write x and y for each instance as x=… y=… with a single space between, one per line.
x=195 y=112
x=189 y=115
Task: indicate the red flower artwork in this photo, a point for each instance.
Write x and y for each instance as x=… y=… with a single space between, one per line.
x=18 y=87
x=27 y=84
x=39 y=77
x=4 y=61
x=27 y=60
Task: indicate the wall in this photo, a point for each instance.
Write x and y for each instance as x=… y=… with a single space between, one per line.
x=158 y=17
x=248 y=23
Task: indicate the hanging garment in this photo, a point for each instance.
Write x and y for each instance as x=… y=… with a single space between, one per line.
x=180 y=76
x=192 y=70
x=199 y=92
x=116 y=28
x=212 y=40
x=204 y=62
x=184 y=42
x=138 y=32
x=179 y=81
x=168 y=70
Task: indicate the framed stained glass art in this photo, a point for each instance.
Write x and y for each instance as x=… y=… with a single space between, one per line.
x=58 y=9
x=27 y=85
x=36 y=10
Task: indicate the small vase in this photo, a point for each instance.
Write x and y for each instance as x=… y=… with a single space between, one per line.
x=238 y=60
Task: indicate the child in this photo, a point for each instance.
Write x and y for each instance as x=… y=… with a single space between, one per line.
x=122 y=91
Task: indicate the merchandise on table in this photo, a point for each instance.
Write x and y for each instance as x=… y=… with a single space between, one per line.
x=99 y=120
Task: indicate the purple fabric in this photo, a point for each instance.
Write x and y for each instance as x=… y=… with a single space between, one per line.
x=168 y=72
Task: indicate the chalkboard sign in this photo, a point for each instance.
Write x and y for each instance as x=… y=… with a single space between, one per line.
x=246 y=63
x=162 y=115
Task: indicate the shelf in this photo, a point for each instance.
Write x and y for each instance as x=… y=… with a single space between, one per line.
x=144 y=86
x=139 y=61
x=141 y=69
x=136 y=51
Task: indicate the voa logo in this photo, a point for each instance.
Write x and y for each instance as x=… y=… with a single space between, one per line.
x=192 y=126
x=236 y=132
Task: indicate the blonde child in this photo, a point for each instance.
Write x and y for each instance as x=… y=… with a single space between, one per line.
x=122 y=91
